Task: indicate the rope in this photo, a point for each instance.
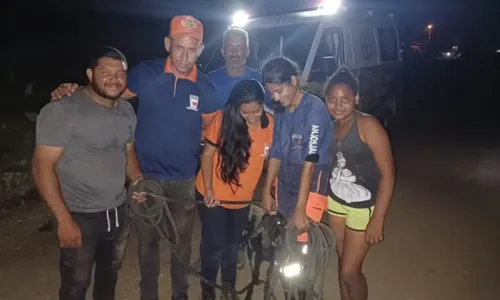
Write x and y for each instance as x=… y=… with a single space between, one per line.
x=155 y=212
x=312 y=264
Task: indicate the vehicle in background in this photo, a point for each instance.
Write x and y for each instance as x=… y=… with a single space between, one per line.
x=452 y=54
x=328 y=36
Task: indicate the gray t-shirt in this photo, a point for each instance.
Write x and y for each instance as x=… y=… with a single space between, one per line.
x=92 y=169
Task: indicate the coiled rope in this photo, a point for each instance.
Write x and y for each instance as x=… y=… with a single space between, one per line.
x=155 y=212
x=313 y=261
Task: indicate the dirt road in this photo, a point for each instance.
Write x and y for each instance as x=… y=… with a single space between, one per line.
x=442 y=240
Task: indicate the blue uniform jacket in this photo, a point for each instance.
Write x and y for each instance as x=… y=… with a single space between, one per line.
x=299 y=136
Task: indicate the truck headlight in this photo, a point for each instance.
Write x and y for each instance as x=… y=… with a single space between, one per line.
x=240 y=19
x=325 y=8
x=329 y=7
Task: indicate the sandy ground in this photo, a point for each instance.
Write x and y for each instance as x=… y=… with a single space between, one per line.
x=441 y=236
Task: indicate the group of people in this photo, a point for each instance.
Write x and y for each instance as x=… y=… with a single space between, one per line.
x=90 y=142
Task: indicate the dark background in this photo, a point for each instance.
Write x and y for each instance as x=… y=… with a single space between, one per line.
x=47 y=42
x=446 y=138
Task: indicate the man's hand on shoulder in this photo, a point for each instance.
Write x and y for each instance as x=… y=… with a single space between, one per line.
x=65 y=89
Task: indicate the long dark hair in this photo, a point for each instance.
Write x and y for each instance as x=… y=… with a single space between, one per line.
x=234 y=140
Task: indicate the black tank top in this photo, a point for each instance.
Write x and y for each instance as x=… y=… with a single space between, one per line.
x=354 y=175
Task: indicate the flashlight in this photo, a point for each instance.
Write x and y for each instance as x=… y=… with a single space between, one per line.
x=291 y=270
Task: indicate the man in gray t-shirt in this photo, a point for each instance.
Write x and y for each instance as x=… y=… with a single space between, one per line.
x=84 y=152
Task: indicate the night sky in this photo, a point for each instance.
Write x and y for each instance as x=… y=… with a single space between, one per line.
x=55 y=34
x=43 y=18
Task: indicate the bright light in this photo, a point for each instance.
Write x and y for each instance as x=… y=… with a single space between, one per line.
x=329 y=7
x=304 y=249
x=240 y=19
x=430 y=26
x=292 y=270
x=498 y=51
x=325 y=8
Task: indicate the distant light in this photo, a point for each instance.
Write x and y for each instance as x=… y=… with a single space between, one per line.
x=430 y=26
x=448 y=54
x=240 y=19
x=455 y=48
x=498 y=51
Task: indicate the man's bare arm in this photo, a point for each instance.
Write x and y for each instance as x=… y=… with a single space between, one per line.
x=133 y=167
x=128 y=95
x=47 y=181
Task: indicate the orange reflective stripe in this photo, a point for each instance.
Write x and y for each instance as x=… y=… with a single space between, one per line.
x=315 y=208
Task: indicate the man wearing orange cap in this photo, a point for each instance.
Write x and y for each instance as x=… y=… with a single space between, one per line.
x=175 y=102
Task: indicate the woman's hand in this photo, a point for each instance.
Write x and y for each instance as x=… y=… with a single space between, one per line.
x=375 y=231
x=268 y=203
x=300 y=221
x=210 y=202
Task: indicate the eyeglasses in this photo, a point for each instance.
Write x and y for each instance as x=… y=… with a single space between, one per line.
x=251 y=113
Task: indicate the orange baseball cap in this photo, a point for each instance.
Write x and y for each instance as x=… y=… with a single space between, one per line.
x=189 y=25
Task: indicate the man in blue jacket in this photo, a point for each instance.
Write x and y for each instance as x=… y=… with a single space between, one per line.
x=235 y=50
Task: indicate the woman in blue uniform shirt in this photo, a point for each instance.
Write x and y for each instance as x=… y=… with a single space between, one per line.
x=299 y=152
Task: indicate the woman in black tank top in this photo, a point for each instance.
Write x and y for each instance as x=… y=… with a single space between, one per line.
x=361 y=182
